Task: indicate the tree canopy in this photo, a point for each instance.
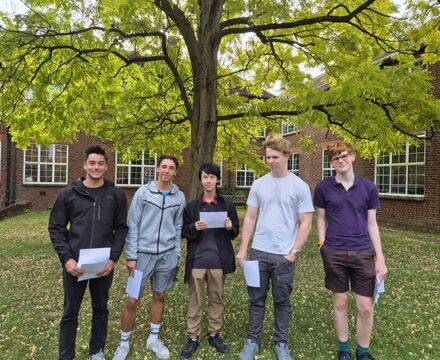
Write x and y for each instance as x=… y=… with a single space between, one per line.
x=166 y=75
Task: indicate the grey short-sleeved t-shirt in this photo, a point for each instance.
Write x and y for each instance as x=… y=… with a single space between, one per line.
x=279 y=201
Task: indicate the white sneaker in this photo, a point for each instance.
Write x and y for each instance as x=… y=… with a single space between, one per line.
x=159 y=349
x=121 y=352
x=98 y=356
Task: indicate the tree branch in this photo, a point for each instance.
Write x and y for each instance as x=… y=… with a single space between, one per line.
x=293 y=24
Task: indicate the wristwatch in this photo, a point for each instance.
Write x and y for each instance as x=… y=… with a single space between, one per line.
x=296 y=252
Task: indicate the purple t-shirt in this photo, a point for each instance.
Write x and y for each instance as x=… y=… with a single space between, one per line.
x=347 y=212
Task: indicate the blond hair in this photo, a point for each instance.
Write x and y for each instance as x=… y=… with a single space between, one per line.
x=278 y=142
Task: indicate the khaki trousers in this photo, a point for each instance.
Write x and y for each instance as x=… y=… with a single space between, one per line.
x=216 y=302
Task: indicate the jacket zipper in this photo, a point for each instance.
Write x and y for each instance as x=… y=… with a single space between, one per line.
x=93 y=224
x=94 y=214
x=160 y=223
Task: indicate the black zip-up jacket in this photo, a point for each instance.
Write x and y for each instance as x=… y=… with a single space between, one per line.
x=93 y=223
x=191 y=214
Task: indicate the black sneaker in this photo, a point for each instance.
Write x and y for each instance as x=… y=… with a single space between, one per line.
x=344 y=355
x=364 y=357
x=189 y=349
x=218 y=343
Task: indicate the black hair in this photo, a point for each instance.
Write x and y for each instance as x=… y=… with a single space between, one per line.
x=95 y=149
x=169 y=157
x=210 y=169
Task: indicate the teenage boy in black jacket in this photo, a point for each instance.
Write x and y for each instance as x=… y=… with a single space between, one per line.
x=210 y=256
x=90 y=213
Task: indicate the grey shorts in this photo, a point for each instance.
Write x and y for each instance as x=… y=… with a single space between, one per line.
x=160 y=269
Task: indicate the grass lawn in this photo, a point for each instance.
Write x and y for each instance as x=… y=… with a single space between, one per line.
x=407 y=320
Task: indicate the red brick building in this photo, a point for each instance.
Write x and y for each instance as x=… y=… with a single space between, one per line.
x=409 y=183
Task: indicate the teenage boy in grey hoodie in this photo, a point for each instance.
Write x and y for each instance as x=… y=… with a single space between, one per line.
x=153 y=246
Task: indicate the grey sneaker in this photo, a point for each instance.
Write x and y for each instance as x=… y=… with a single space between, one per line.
x=98 y=356
x=282 y=351
x=159 y=349
x=249 y=350
x=121 y=352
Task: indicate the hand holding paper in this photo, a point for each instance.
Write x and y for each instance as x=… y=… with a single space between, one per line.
x=379 y=288
x=107 y=268
x=251 y=273
x=92 y=261
x=215 y=219
x=71 y=267
x=134 y=284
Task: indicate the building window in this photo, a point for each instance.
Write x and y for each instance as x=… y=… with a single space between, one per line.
x=327 y=168
x=262 y=134
x=244 y=176
x=288 y=128
x=135 y=172
x=403 y=173
x=293 y=164
x=46 y=164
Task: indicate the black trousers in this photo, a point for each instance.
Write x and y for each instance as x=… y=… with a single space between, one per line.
x=73 y=295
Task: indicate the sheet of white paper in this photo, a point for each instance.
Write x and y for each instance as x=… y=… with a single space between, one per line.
x=214 y=219
x=251 y=273
x=92 y=261
x=90 y=270
x=134 y=284
x=378 y=289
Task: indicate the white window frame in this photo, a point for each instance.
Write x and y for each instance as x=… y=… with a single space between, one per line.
x=292 y=161
x=220 y=165
x=262 y=134
x=326 y=168
x=288 y=128
x=247 y=173
x=39 y=164
x=390 y=164
x=130 y=166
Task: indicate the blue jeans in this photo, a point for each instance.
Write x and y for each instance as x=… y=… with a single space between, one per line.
x=73 y=295
x=281 y=272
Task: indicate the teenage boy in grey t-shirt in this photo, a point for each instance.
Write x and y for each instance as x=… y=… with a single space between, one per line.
x=282 y=203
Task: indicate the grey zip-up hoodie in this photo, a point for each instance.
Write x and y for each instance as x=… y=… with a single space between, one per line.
x=155 y=221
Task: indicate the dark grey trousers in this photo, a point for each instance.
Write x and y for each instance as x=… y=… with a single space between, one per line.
x=276 y=269
x=73 y=296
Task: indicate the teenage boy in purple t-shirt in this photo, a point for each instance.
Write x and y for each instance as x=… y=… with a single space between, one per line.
x=350 y=245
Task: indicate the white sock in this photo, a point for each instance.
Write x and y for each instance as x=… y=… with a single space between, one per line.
x=154 y=332
x=125 y=338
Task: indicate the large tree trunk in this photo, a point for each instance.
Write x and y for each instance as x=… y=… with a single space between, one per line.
x=204 y=138
x=204 y=121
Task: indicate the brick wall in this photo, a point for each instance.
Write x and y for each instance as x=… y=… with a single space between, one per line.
x=418 y=214
x=396 y=212
x=43 y=196
x=435 y=71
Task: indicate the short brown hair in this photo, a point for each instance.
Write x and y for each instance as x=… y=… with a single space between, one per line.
x=278 y=142
x=168 y=157
x=338 y=148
